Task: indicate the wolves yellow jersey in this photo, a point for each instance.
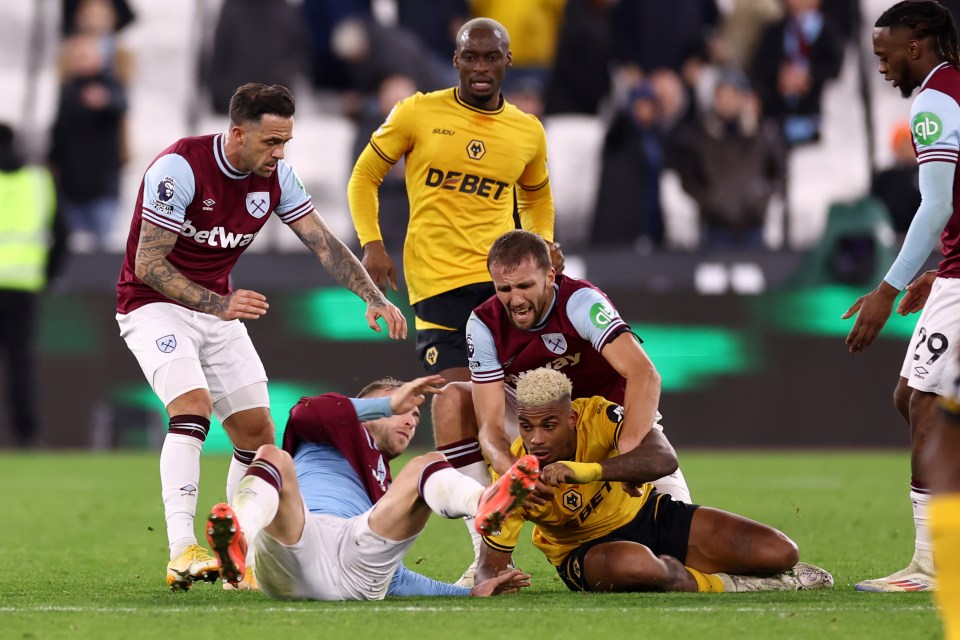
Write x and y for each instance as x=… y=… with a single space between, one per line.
x=578 y=513
x=461 y=167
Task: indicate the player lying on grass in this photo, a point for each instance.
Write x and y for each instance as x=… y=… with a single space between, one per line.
x=602 y=535
x=350 y=544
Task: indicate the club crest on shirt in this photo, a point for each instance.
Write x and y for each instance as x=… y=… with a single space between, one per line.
x=555 y=342
x=258 y=203
x=476 y=149
x=166 y=344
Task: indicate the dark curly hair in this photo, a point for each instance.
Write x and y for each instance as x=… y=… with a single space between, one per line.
x=926 y=18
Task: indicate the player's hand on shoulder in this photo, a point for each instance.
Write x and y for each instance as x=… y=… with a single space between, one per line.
x=916 y=294
x=383 y=308
x=412 y=394
x=508 y=581
x=243 y=304
x=379 y=265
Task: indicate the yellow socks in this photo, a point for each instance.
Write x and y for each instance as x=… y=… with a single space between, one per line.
x=706 y=582
x=945 y=529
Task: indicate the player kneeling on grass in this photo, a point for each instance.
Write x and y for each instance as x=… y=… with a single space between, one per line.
x=321 y=556
x=604 y=536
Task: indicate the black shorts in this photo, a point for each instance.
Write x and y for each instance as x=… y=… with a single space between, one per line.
x=441 y=349
x=662 y=525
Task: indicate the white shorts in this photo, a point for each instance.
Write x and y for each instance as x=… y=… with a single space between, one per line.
x=214 y=354
x=335 y=559
x=934 y=341
x=951 y=379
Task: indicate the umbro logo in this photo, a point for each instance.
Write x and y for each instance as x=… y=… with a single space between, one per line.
x=208 y=204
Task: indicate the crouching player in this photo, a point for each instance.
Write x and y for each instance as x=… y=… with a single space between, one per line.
x=329 y=523
x=603 y=536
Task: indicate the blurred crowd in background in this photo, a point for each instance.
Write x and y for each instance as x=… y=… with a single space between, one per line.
x=699 y=101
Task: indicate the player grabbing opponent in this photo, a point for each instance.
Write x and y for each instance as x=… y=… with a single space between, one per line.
x=601 y=538
x=538 y=318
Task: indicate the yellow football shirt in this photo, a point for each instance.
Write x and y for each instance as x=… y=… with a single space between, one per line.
x=461 y=167
x=578 y=513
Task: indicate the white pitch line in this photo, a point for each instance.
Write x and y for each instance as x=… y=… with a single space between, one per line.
x=333 y=608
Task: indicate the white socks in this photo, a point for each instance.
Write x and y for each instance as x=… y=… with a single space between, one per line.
x=239 y=464
x=479 y=472
x=923 y=544
x=448 y=492
x=255 y=503
x=180 y=480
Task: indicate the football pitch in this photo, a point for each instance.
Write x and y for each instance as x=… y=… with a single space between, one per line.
x=83 y=542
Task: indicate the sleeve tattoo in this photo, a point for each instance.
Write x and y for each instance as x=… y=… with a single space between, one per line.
x=155 y=270
x=337 y=258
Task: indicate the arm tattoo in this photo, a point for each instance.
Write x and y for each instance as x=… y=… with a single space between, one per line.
x=155 y=270
x=337 y=258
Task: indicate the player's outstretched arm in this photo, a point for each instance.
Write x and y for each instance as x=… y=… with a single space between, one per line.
x=488 y=402
x=347 y=270
x=509 y=581
x=153 y=269
x=412 y=394
x=642 y=395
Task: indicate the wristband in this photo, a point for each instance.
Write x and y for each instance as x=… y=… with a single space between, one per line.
x=584 y=472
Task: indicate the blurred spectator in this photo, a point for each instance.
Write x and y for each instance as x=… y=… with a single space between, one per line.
x=731 y=163
x=898 y=186
x=373 y=52
x=650 y=34
x=435 y=23
x=86 y=142
x=254 y=41
x=580 y=77
x=534 y=28
x=743 y=26
x=122 y=15
x=394 y=211
x=628 y=209
x=32 y=243
x=320 y=17
x=101 y=20
x=795 y=59
x=673 y=97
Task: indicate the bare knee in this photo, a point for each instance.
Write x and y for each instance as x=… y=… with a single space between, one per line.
x=192 y=403
x=420 y=462
x=453 y=415
x=784 y=552
x=250 y=428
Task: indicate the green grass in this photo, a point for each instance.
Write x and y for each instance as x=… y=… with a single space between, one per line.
x=84 y=550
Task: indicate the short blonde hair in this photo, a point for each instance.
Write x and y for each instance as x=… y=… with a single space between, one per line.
x=542 y=386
